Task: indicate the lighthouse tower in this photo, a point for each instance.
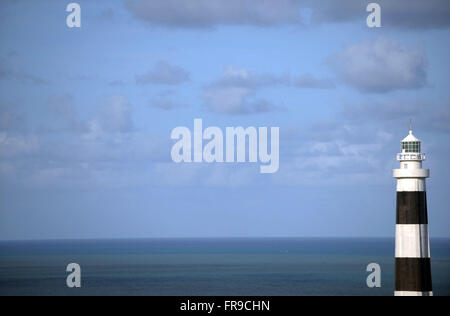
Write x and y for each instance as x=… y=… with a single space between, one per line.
x=412 y=247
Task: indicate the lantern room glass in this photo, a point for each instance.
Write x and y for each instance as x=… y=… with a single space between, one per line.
x=411 y=147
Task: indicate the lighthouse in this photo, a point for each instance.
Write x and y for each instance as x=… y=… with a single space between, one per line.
x=412 y=245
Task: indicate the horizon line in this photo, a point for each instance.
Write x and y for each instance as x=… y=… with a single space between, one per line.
x=219 y=237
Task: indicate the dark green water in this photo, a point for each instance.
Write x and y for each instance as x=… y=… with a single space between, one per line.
x=251 y=266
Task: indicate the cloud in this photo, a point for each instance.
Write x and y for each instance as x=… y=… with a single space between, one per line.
x=205 y=175
x=235 y=100
x=115 y=115
x=164 y=73
x=107 y=14
x=386 y=110
x=108 y=152
x=8 y=72
x=107 y=160
x=380 y=65
x=340 y=157
x=209 y=13
x=439 y=119
x=165 y=104
x=309 y=81
x=163 y=100
x=240 y=77
x=113 y=124
x=116 y=83
x=358 y=146
x=63 y=108
x=12 y=145
x=11 y=119
x=426 y=115
x=233 y=92
x=5 y=71
x=104 y=155
x=405 y=14
x=79 y=77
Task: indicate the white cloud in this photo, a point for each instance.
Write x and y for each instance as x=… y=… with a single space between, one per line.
x=309 y=81
x=116 y=115
x=380 y=65
x=235 y=90
x=164 y=73
x=234 y=100
x=11 y=119
x=8 y=72
x=241 y=77
x=17 y=145
x=63 y=107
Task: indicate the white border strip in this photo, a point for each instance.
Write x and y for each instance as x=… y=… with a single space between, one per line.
x=412 y=293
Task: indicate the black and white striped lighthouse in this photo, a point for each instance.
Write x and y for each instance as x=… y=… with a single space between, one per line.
x=412 y=246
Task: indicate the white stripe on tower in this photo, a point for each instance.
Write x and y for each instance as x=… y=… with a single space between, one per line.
x=411 y=241
x=412 y=250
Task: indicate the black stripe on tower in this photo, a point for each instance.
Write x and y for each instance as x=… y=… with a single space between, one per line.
x=412 y=208
x=413 y=274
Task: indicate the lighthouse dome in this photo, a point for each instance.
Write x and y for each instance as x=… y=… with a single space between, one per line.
x=410 y=138
x=411 y=144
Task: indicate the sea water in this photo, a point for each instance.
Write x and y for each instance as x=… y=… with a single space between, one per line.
x=221 y=266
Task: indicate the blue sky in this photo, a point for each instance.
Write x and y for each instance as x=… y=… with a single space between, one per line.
x=86 y=116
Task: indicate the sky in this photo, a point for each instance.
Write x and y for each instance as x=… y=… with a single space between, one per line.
x=86 y=116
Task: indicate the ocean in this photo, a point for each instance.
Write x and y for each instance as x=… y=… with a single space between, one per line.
x=220 y=266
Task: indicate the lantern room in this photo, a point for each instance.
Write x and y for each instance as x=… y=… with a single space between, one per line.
x=411 y=144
